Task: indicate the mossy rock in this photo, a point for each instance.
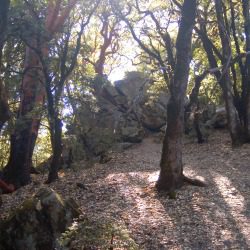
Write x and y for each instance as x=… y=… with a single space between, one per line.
x=38 y=222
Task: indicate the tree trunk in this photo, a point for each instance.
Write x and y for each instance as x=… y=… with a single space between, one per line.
x=57 y=150
x=55 y=125
x=225 y=79
x=246 y=70
x=196 y=124
x=171 y=172
x=193 y=100
x=23 y=140
x=4 y=108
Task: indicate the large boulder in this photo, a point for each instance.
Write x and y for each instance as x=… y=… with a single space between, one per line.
x=108 y=119
x=38 y=222
x=149 y=107
x=119 y=112
x=111 y=94
x=131 y=85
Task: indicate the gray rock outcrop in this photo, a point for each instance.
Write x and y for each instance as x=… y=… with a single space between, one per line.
x=120 y=112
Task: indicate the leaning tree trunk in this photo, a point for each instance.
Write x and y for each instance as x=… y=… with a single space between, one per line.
x=225 y=80
x=171 y=172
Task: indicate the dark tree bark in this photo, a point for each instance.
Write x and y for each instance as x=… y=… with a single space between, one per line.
x=3 y=23
x=4 y=108
x=57 y=150
x=193 y=100
x=200 y=138
x=171 y=172
x=225 y=79
x=246 y=70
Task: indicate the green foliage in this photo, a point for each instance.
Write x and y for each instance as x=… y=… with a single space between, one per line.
x=43 y=148
x=210 y=91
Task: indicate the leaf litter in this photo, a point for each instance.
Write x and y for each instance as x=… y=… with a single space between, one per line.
x=123 y=191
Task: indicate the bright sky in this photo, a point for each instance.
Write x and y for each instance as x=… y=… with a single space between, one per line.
x=119 y=72
x=130 y=49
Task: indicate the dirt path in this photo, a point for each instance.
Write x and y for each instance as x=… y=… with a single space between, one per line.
x=215 y=217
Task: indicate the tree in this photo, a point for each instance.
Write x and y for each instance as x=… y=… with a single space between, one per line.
x=103 y=37
x=245 y=68
x=54 y=90
x=17 y=170
x=150 y=30
x=171 y=174
x=4 y=108
x=157 y=43
x=225 y=79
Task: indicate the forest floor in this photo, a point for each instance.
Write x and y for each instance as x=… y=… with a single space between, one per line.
x=123 y=190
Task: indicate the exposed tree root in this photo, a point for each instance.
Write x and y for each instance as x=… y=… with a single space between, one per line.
x=194 y=182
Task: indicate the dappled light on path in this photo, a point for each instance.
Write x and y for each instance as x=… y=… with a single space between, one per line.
x=145 y=215
x=236 y=204
x=123 y=190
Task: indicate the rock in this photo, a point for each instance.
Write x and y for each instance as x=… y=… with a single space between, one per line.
x=99 y=140
x=219 y=119
x=93 y=234
x=111 y=93
x=130 y=130
x=208 y=112
x=43 y=167
x=150 y=108
x=152 y=111
x=38 y=222
x=119 y=113
x=133 y=84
